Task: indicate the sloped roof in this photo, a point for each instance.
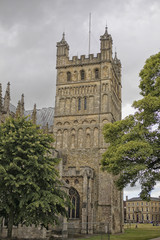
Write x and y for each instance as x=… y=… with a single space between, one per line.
x=12 y=108
x=139 y=199
x=44 y=116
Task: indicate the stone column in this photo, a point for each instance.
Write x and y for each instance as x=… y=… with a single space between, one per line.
x=85 y=203
x=90 y=207
x=65 y=228
x=87 y=206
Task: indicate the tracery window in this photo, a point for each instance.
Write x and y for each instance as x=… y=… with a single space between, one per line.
x=82 y=75
x=85 y=103
x=75 y=200
x=68 y=76
x=79 y=104
x=96 y=73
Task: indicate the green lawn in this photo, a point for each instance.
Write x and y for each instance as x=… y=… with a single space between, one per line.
x=143 y=232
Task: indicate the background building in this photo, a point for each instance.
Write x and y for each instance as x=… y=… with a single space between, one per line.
x=138 y=210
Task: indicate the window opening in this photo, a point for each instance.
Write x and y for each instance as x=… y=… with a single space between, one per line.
x=85 y=103
x=75 y=199
x=96 y=73
x=82 y=75
x=79 y=104
x=68 y=76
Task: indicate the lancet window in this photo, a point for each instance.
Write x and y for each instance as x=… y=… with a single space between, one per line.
x=85 y=103
x=68 y=76
x=96 y=73
x=73 y=212
x=79 y=104
x=82 y=75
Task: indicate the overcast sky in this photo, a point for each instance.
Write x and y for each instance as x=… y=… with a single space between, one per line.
x=30 y=29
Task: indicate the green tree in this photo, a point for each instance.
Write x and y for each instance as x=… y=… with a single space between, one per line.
x=30 y=189
x=134 y=142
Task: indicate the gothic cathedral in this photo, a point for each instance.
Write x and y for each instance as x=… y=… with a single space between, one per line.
x=88 y=95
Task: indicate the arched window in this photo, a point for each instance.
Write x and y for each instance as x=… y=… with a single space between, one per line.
x=75 y=200
x=85 y=103
x=82 y=75
x=79 y=104
x=96 y=73
x=68 y=76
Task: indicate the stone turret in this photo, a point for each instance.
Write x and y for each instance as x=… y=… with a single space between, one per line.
x=34 y=115
x=62 y=51
x=7 y=99
x=22 y=105
x=106 y=46
x=18 y=109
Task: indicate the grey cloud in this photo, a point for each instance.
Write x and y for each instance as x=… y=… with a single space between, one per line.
x=29 y=31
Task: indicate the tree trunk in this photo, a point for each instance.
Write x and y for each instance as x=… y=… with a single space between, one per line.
x=10 y=225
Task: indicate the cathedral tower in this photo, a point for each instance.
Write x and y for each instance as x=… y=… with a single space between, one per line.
x=88 y=95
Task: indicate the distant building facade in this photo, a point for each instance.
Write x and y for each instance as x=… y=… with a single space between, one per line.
x=138 y=210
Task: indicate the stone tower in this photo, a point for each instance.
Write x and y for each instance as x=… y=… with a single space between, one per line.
x=88 y=95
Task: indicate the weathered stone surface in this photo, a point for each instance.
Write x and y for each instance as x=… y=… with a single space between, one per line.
x=88 y=95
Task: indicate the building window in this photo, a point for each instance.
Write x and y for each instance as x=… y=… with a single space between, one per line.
x=96 y=73
x=85 y=103
x=75 y=200
x=68 y=76
x=82 y=75
x=79 y=104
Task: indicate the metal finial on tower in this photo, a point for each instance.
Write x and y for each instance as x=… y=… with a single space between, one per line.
x=63 y=36
x=106 y=29
x=89 y=47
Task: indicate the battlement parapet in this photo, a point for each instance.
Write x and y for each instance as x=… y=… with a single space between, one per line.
x=85 y=59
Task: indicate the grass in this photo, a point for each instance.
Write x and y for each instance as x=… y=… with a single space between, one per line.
x=143 y=232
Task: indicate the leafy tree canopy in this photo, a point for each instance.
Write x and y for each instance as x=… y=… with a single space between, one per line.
x=30 y=191
x=134 y=151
